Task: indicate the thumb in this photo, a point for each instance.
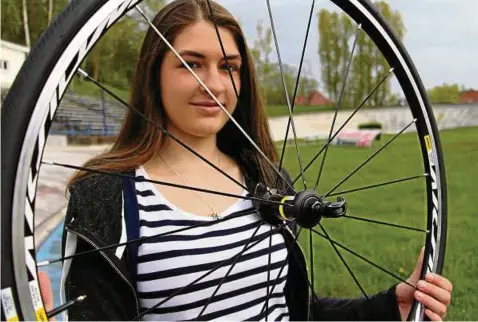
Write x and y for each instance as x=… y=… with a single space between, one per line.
x=418 y=266
x=46 y=290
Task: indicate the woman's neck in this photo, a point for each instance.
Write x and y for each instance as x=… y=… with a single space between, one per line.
x=184 y=160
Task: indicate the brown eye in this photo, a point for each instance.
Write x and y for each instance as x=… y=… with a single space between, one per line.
x=191 y=64
x=231 y=67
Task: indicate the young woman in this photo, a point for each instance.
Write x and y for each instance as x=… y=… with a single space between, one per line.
x=123 y=282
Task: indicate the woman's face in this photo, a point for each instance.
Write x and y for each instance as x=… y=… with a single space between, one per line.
x=189 y=108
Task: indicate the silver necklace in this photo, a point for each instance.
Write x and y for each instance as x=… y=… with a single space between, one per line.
x=215 y=214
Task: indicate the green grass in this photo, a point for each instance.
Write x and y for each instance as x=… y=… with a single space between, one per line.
x=402 y=203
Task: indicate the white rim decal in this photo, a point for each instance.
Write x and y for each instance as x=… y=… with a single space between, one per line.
x=8 y=305
x=37 y=301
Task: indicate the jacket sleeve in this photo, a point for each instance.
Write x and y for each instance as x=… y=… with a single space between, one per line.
x=91 y=275
x=379 y=307
x=104 y=301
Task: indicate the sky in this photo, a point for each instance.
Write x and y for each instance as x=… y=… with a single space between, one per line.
x=441 y=37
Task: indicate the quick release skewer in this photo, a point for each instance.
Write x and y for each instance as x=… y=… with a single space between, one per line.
x=307 y=208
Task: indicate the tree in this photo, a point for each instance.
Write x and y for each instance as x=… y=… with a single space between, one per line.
x=12 y=23
x=26 y=25
x=328 y=37
x=269 y=74
x=274 y=86
x=261 y=52
x=382 y=67
x=50 y=10
x=336 y=36
x=112 y=60
x=307 y=84
x=445 y=93
x=24 y=21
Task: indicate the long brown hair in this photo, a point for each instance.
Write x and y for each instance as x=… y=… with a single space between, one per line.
x=139 y=140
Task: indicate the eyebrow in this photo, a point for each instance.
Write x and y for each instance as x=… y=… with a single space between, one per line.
x=202 y=56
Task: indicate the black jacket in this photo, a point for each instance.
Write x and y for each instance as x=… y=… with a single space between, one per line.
x=94 y=218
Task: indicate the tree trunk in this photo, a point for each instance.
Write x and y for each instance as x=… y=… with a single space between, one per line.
x=50 y=10
x=26 y=26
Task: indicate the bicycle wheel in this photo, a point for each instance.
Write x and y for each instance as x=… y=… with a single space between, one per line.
x=31 y=104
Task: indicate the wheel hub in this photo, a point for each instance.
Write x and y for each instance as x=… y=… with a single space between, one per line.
x=306 y=207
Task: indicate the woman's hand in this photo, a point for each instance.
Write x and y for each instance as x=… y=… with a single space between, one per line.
x=46 y=291
x=434 y=293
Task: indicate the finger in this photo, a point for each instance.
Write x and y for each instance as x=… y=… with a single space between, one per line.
x=431 y=303
x=440 y=281
x=435 y=291
x=432 y=315
x=46 y=290
x=418 y=267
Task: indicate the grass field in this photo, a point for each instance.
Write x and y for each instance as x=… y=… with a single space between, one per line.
x=402 y=203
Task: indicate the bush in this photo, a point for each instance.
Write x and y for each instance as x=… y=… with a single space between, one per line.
x=373 y=125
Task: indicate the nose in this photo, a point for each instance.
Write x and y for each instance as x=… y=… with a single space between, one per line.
x=215 y=81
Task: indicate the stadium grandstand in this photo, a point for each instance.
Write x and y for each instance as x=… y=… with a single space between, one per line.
x=83 y=116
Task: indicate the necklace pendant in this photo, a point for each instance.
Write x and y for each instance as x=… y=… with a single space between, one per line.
x=215 y=216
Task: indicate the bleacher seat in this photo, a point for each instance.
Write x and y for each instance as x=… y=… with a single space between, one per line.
x=80 y=116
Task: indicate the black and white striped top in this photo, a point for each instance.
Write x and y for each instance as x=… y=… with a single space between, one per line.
x=167 y=264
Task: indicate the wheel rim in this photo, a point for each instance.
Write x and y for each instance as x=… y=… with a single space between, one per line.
x=29 y=159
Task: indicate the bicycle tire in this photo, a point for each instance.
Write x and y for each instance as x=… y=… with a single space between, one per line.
x=31 y=103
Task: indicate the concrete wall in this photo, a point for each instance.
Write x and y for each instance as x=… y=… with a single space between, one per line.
x=57 y=141
x=393 y=119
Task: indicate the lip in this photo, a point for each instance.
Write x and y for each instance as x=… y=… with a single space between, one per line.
x=206 y=104
x=207 y=108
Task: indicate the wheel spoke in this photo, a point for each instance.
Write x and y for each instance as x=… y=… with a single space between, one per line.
x=159 y=126
x=214 y=98
x=306 y=278
x=364 y=259
x=311 y=253
x=221 y=44
x=281 y=269
x=268 y=277
x=377 y=185
x=296 y=87
x=346 y=122
x=369 y=158
x=387 y=224
x=230 y=270
x=286 y=92
x=164 y=183
x=243 y=213
x=337 y=106
x=345 y=263
x=221 y=264
x=65 y=306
